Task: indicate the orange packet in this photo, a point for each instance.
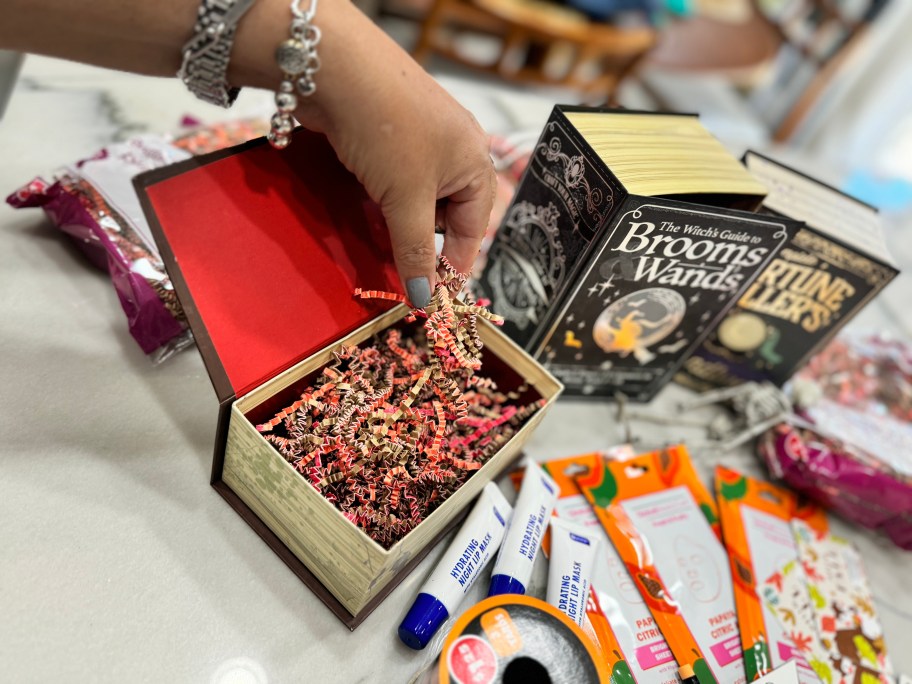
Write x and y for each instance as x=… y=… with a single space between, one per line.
x=661 y=519
x=644 y=652
x=597 y=628
x=602 y=634
x=756 y=524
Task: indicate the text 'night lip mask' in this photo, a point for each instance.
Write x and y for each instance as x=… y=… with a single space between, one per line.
x=634 y=634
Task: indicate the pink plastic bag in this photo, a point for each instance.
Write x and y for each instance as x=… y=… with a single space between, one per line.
x=94 y=203
x=850 y=446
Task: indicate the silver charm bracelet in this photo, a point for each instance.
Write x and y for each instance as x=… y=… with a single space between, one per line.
x=205 y=56
x=298 y=60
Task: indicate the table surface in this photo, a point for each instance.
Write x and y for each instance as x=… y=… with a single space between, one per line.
x=119 y=562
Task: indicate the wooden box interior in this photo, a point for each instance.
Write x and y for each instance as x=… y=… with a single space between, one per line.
x=264 y=250
x=351 y=565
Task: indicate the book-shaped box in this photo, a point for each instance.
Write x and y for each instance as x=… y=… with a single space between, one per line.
x=629 y=238
x=265 y=249
x=829 y=271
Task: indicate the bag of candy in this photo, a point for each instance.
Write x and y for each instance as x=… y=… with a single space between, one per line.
x=93 y=202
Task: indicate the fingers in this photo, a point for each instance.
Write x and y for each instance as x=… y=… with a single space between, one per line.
x=465 y=219
x=410 y=219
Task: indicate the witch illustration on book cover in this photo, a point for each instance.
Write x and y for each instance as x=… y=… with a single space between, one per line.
x=637 y=321
x=613 y=332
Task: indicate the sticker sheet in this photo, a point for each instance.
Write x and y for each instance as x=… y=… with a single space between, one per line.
x=788 y=601
x=848 y=626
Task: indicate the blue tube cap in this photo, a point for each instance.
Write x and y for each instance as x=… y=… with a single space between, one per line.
x=422 y=621
x=504 y=584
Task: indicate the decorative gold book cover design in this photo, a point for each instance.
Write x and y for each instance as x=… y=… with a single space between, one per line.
x=625 y=245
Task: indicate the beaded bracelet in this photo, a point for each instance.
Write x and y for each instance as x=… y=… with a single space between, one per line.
x=298 y=60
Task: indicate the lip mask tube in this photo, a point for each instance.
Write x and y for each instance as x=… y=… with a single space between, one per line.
x=570 y=572
x=536 y=500
x=458 y=568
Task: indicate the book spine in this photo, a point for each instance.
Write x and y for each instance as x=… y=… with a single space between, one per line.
x=563 y=201
x=793 y=309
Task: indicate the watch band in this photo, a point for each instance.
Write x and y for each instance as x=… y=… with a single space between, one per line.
x=207 y=53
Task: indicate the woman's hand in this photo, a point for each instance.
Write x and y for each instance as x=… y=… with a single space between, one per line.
x=418 y=153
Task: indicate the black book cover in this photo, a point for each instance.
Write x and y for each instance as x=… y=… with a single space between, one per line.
x=797 y=304
x=558 y=276
x=564 y=199
x=663 y=277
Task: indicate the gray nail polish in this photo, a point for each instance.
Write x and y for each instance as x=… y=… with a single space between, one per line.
x=419 y=292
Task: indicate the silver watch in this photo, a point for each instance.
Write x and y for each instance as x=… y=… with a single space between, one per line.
x=206 y=55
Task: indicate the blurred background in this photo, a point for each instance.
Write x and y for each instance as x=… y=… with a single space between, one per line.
x=822 y=83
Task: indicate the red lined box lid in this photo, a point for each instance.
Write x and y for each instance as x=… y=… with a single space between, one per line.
x=265 y=249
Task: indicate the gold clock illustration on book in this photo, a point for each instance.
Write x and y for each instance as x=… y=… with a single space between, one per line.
x=742 y=332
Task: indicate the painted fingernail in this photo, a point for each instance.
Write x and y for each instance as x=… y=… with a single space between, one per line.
x=419 y=292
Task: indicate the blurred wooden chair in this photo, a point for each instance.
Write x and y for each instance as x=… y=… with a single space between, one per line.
x=782 y=59
x=536 y=43
x=737 y=48
x=820 y=37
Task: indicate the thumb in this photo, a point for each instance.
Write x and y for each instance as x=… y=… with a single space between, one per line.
x=410 y=219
